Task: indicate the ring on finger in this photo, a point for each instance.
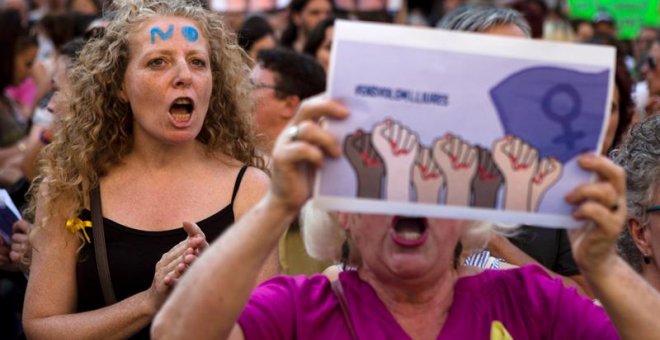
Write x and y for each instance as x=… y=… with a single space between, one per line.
x=292 y=132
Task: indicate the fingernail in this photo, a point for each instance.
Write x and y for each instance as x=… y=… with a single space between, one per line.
x=589 y=155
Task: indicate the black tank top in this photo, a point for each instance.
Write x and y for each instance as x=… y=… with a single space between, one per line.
x=133 y=254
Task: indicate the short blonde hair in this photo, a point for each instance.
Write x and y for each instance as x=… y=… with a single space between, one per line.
x=322 y=233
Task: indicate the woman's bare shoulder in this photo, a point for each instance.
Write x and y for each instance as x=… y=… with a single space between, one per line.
x=253 y=187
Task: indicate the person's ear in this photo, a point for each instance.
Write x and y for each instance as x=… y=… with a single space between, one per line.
x=122 y=95
x=640 y=236
x=291 y=104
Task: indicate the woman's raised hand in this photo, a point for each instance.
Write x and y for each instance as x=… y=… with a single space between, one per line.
x=300 y=150
x=603 y=206
x=20 y=245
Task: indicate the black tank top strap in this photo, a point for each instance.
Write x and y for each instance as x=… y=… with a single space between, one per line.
x=237 y=184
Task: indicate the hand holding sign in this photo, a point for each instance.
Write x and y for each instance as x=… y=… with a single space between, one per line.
x=21 y=249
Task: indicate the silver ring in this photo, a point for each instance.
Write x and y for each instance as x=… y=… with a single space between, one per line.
x=292 y=132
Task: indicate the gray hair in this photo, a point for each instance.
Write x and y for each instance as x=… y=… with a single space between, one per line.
x=479 y=18
x=639 y=156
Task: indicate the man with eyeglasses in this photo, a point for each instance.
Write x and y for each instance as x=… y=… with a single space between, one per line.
x=281 y=80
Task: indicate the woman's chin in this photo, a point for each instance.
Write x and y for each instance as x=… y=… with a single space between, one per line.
x=410 y=266
x=181 y=137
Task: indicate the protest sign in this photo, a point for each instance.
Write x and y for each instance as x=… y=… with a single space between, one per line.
x=462 y=125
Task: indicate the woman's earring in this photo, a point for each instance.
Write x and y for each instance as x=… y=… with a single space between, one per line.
x=345 y=252
x=457 y=254
x=647 y=259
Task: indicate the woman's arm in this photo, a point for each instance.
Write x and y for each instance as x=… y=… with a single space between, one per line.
x=51 y=298
x=212 y=295
x=631 y=303
x=501 y=247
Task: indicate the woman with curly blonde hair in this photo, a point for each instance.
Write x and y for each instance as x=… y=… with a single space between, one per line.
x=159 y=132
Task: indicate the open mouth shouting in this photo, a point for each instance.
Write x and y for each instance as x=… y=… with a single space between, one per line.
x=409 y=231
x=181 y=110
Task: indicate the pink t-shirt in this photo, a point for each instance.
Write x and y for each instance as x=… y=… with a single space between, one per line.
x=526 y=301
x=25 y=93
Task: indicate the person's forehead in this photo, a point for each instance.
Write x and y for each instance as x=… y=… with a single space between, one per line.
x=317 y=4
x=165 y=29
x=655 y=49
x=509 y=29
x=259 y=73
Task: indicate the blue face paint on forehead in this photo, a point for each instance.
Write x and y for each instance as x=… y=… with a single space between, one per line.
x=155 y=31
x=190 y=33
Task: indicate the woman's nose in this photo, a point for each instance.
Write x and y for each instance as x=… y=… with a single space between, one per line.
x=183 y=76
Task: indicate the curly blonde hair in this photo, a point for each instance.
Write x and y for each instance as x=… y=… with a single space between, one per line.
x=98 y=132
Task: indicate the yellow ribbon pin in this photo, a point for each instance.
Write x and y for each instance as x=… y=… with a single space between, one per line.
x=75 y=224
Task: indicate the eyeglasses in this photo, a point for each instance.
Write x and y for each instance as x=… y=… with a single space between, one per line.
x=265 y=86
x=651 y=62
x=257 y=86
x=653 y=209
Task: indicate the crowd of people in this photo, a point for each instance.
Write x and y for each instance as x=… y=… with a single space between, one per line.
x=162 y=155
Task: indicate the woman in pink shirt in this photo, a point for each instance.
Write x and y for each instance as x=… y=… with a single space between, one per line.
x=407 y=283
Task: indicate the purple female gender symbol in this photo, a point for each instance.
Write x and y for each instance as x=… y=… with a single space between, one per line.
x=569 y=137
